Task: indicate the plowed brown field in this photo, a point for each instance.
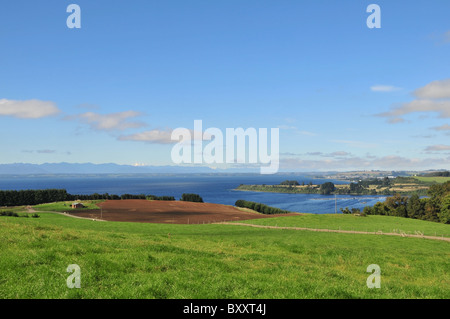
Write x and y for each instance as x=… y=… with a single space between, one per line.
x=169 y=212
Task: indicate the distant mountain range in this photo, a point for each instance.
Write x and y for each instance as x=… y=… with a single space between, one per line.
x=111 y=168
x=108 y=168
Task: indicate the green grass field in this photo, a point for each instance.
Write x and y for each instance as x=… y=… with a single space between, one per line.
x=371 y=223
x=137 y=260
x=435 y=179
x=66 y=206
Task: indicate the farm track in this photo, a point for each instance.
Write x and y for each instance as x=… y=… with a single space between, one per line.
x=401 y=234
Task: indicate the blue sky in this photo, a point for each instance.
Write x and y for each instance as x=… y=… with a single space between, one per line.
x=344 y=96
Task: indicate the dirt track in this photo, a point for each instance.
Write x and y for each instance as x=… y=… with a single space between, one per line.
x=169 y=212
x=340 y=231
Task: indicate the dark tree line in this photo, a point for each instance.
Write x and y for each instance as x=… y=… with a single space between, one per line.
x=187 y=197
x=260 y=208
x=33 y=197
x=327 y=188
x=290 y=183
x=153 y=197
x=41 y=196
x=435 y=207
x=436 y=174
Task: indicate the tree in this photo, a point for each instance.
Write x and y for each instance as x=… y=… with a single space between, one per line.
x=386 y=182
x=444 y=215
x=368 y=210
x=290 y=183
x=327 y=188
x=187 y=197
x=415 y=207
x=380 y=209
x=397 y=205
x=432 y=209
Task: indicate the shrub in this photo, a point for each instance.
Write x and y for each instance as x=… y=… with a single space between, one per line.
x=9 y=213
x=260 y=208
x=154 y=197
x=187 y=197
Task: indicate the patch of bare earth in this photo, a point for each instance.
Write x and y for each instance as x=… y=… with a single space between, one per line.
x=168 y=212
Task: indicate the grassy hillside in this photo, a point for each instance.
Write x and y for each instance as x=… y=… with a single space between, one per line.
x=135 y=260
x=372 y=223
x=433 y=179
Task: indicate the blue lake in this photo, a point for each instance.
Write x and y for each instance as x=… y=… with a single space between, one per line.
x=214 y=188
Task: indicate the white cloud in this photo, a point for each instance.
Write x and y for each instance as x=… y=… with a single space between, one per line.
x=45 y=151
x=444 y=127
x=333 y=154
x=438 y=148
x=315 y=153
x=447 y=37
x=390 y=162
x=109 y=122
x=29 y=109
x=440 y=107
x=431 y=98
x=384 y=88
x=152 y=136
x=161 y=137
x=434 y=90
x=339 y=154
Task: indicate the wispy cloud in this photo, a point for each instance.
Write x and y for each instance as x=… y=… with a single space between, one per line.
x=444 y=127
x=158 y=136
x=314 y=153
x=423 y=136
x=296 y=130
x=446 y=37
x=45 y=151
x=152 y=136
x=390 y=162
x=384 y=88
x=440 y=107
x=333 y=154
x=437 y=148
x=431 y=98
x=339 y=154
x=109 y=122
x=28 y=109
x=434 y=90
x=357 y=144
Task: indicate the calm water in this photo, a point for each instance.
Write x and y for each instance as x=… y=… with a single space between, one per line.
x=212 y=188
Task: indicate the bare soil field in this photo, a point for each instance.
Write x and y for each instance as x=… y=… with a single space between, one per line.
x=169 y=212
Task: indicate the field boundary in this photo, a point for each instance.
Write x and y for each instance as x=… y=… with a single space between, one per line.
x=401 y=234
